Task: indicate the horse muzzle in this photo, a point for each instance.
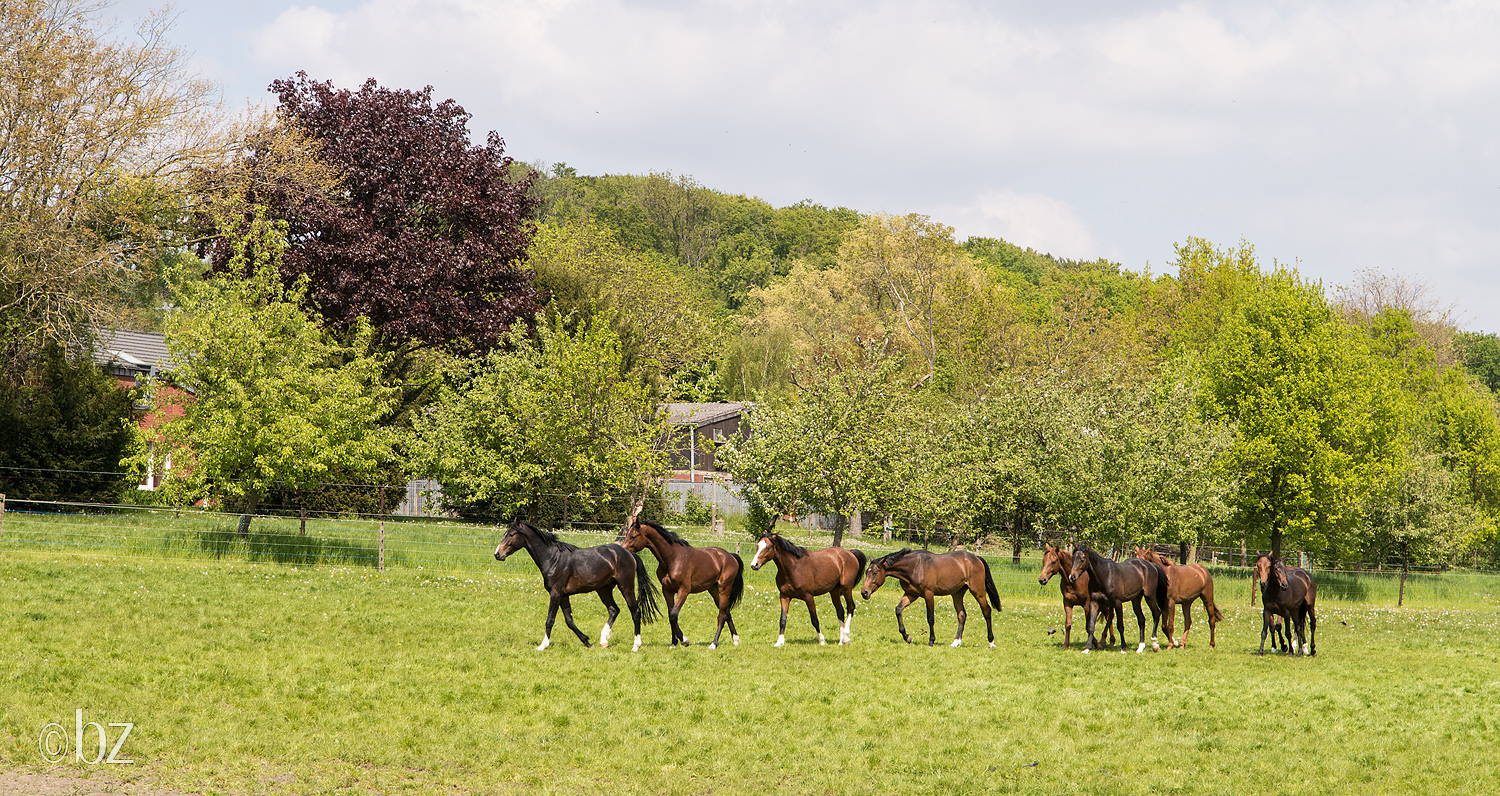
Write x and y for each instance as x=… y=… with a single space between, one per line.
x=1072 y=578
x=865 y=593
x=1043 y=581
x=499 y=556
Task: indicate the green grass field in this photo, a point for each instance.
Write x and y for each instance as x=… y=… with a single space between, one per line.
x=245 y=678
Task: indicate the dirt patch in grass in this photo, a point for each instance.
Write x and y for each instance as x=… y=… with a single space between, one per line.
x=14 y=784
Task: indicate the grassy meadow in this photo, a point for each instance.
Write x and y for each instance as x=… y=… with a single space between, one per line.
x=248 y=677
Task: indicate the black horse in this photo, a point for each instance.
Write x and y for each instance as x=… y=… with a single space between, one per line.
x=1118 y=582
x=1291 y=594
x=567 y=570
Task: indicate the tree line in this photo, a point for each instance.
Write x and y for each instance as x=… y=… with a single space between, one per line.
x=356 y=289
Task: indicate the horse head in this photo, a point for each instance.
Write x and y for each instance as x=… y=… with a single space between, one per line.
x=1263 y=568
x=1279 y=568
x=764 y=550
x=874 y=577
x=514 y=539
x=635 y=537
x=1080 y=562
x=1051 y=563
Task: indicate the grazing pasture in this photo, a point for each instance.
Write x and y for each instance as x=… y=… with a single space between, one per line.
x=272 y=678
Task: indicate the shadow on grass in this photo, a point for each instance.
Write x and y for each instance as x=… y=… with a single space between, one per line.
x=287 y=548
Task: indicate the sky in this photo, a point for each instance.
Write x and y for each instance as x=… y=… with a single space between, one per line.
x=1339 y=138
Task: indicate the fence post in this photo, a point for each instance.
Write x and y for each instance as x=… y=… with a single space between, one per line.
x=302 y=523
x=1401 y=595
x=565 y=511
x=2 y=515
x=382 y=528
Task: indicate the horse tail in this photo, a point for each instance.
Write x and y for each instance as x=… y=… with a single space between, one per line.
x=737 y=589
x=1208 y=600
x=647 y=591
x=859 y=555
x=989 y=585
x=1162 y=595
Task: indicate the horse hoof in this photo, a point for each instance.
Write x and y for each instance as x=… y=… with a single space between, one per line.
x=992 y=645
x=736 y=640
x=780 y=641
x=637 y=647
x=958 y=642
x=686 y=643
x=1085 y=652
x=713 y=646
x=546 y=642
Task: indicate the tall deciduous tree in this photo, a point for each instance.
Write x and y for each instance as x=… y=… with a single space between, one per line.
x=1317 y=424
x=96 y=139
x=272 y=399
x=556 y=416
x=833 y=446
x=426 y=234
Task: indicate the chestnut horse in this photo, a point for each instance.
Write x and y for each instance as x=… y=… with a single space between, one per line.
x=1057 y=561
x=804 y=575
x=1185 y=583
x=567 y=570
x=684 y=570
x=927 y=575
x=1290 y=593
x=1117 y=582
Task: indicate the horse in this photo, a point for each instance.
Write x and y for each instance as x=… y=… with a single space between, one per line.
x=1117 y=582
x=1185 y=583
x=804 y=575
x=1290 y=593
x=567 y=570
x=925 y=575
x=684 y=570
x=1057 y=561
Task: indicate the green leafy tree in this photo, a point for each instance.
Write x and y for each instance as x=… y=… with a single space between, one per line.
x=1318 y=425
x=1480 y=354
x=831 y=447
x=63 y=436
x=556 y=415
x=264 y=396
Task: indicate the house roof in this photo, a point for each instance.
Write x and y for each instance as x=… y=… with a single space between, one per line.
x=699 y=415
x=124 y=349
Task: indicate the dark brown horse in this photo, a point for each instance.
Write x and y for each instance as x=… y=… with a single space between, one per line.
x=925 y=575
x=1290 y=593
x=567 y=570
x=1118 y=582
x=804 y=575
x=1057 y=561
x=1185 y=583
x=684 y=570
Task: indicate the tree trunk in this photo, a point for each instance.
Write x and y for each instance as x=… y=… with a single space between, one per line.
x=252 y=502
x=839 y=521
x=1276 y=541
x=1182 y=553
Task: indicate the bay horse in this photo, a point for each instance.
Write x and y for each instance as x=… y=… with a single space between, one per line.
x=1118 y=582
x=925 y=575
x=1185 y=583
x=1058 y=561
x=684 y=570
x=567 y=570
x=1290 y=593
x=804 y=575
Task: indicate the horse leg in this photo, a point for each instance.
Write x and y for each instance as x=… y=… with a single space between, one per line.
x=567 y=611
x=1091 y=618
x=900 y=624
x=786 y=603
x=1187 y=624
x=1140 y=619
x=1169 y=623
x=1265 y=627
x=552 y=605
x=734 y=635
x=838 y=612
x=846 y=631
x=931 y=620
x=677 y=601
x=1301 y=647
x=1156 y=612
x=958 y=608
x=1067 y=625
x=812 y=613
x=984 y=607
x=721 y=598
x=606 y=595
x=1312 y=632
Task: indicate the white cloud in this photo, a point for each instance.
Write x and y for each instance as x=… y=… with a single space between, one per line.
x=1026 y=219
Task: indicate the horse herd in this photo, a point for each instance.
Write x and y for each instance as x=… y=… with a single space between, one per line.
x=1098 y=584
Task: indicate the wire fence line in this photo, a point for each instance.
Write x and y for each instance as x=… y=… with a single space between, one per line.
x=441 y=545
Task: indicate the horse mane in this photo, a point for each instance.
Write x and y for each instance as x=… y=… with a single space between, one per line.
x=671 y=536
x=548 y=537
x=892 y=558
x=788 y=547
